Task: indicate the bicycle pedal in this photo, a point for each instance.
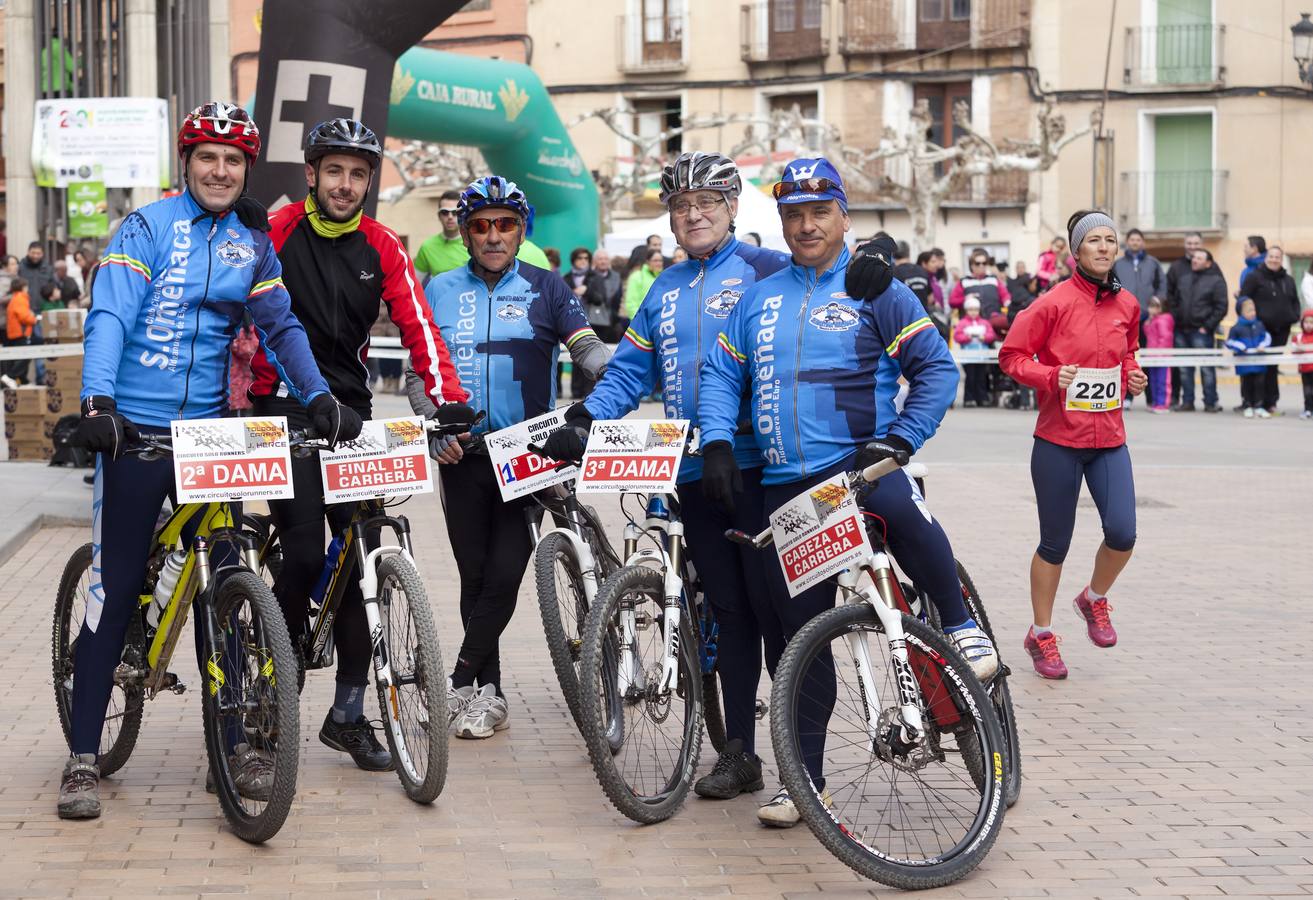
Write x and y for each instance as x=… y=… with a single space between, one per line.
x=762 y=710
x=179 y=688
x=170 y=682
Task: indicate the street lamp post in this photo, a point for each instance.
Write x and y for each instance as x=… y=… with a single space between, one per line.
x=1301 y=35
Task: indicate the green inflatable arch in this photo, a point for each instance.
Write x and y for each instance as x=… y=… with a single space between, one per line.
x=503 y=109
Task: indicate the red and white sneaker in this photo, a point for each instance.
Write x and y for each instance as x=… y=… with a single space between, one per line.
x=1043 y=650
x=1097 y=624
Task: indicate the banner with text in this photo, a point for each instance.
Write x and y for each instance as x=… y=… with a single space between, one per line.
x=123 y=141
x=629 y=455
x=390 y=458
x=519 y=470
x=231 y=459
x=819 y=533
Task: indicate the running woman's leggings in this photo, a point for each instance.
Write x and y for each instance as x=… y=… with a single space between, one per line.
x=1057 y=472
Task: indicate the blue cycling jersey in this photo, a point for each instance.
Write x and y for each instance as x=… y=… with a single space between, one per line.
x=504 y=342
x=674 y=330
x=170 y=293
x=822 y=369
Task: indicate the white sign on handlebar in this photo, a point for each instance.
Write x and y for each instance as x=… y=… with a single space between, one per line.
x=819 y=533
x=390 y=458
x=231 y=459
x=633 y=455
x=519 y=470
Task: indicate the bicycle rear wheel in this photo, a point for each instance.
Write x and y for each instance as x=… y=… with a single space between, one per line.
x=910 y=817
x=643 y=741
x=1000 y=694
x=127 y=698
x=563 y=604
x=415 y=708
x=249 y=698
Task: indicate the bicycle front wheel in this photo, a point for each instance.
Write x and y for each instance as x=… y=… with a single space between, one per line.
x=127 y=698
x=643 y=739
x=415 y=706
x=908 y=815
x=563 y=604
x=249 y=700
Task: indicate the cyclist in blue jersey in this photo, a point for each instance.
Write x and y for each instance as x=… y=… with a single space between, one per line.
x=812 y=360
x=503 y=322
x=172 y=289
x=674 y=329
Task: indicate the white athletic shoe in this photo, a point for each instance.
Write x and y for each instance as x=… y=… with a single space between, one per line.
x=977 y=649
x=1249 y=412
x=1262 y=413
x=779 y=811
x=457 y=701
x=485 y=714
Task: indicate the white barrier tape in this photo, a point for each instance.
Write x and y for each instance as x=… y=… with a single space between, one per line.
x=40 y=351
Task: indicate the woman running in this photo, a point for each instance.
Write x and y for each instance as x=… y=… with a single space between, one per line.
x=1076 y=347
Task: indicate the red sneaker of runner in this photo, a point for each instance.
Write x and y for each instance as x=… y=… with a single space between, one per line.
x=1044 y=654
x=1097 y=624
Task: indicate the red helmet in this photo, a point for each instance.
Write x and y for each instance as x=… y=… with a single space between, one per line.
x=220 y=123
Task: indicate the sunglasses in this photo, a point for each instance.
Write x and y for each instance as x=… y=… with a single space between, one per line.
x=446 y=212
x=503 y=224
x=805 y=186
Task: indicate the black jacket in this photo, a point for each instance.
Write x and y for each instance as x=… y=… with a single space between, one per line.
x=1174 y=272
x=917 y=279
x=1274 y=296
x=1200 y=300
x=37 y=275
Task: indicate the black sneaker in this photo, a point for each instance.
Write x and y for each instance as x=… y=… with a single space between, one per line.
x=356 y=738
x=79 y=790
x=1213 y=409
x=734 y=773
x=1183 y=407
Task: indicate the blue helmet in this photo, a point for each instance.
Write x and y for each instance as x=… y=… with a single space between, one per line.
x=494 y=191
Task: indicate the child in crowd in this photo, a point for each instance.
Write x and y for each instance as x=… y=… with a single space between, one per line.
x=974 y=333
x=1302 y=341
x=1157 y=335
x=1248 y=336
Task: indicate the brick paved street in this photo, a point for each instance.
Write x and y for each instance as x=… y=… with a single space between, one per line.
x=1179 y=763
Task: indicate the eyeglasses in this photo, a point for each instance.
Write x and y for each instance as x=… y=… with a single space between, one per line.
x=705 y=205
x=446 y=212
x=503 y=224
x=805 y=186
x=979 y=262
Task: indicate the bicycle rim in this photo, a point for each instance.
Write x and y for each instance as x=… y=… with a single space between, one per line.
x=123 y=715
x=250 y=698
x=914 y=819
x=643 y=741
x=414 y=707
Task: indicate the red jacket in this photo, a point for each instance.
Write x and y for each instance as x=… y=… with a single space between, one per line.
x=336 y=286
x=1303 y=340
x=1076 y=323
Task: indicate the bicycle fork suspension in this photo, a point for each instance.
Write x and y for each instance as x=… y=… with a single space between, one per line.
x=674 y=591
x=912 y=726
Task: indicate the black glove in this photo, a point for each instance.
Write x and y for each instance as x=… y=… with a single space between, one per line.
x=567 y=443
x=871 y=270
x=333 y=421
x=456 y=414
x=101 y=429
x=251 y=213
x=888 y=447
x=721 y=478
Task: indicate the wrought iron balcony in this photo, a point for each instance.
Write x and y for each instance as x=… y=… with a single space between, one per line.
x=1175 y=56
x=652 y=43
x=1173 y=201
x=785 y=30
x=876 y=26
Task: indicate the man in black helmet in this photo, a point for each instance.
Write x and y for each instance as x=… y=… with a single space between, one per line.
x=338 y=266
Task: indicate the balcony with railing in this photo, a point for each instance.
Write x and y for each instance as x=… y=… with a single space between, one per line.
x=1173 y=201
x=1175 y=56
x=652 y=43
x=876 y=26
x=784 y=30
x=997 y=190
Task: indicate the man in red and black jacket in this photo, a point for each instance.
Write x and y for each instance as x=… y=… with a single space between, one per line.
x=338 y=265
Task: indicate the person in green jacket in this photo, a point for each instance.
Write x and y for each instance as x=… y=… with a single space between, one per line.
x=446 y=250
x=640 y=280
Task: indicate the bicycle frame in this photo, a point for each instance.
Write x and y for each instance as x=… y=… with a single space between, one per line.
x=216 y=523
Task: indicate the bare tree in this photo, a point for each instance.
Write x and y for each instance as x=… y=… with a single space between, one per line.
x=422 y=164
x=909 y=169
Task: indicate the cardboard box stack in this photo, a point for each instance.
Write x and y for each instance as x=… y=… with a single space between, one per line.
x=30 y=417
x=63 y=326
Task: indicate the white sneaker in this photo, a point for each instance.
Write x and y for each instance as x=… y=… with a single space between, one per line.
x=779 y=811
x=1306 y=414
x=977 y=649
x=1249 y=412
x=1262 y=413
x=485 y=714
x=457 y=700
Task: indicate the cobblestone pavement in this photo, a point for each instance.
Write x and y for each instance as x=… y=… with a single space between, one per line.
x=1179 y=763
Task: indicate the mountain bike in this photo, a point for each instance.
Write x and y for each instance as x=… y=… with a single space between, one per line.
x=649 y=654
x=408 y=669
x=248 y=691
x=906 y=782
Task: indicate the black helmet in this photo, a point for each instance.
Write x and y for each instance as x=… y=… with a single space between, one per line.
x=700 y=172
x=343 y=136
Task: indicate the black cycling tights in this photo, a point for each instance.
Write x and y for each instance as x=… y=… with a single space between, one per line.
x=300 y=524
x=490 y=541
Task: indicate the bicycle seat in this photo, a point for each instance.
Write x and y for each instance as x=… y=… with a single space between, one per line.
x=917 y=470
